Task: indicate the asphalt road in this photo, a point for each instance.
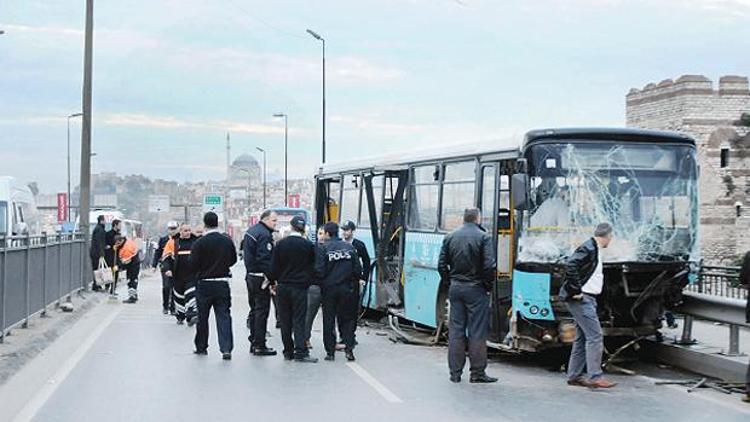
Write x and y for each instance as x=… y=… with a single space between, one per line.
x=130 y=363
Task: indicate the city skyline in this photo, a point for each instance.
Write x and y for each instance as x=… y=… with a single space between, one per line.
x=171 y=79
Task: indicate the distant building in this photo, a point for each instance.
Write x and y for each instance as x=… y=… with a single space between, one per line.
x=719 y=120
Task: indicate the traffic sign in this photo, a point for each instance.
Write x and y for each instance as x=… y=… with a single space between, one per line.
x=294 y=200
x=213 y=202
x=158 y=203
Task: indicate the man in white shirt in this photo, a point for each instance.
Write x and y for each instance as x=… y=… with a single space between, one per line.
x=584 y=280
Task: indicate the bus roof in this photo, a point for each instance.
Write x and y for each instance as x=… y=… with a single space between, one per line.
x=404 y=158
x=608 y=134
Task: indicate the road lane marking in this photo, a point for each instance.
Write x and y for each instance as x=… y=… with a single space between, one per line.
x=374 y=383
x=40 y=399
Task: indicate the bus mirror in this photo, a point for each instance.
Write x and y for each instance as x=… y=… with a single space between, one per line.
x=519 y=191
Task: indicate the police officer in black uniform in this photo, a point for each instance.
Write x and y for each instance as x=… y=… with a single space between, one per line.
x=338 y=270
x=212 y=256
x=167 y=282
x=257 y=249
x=292 y=269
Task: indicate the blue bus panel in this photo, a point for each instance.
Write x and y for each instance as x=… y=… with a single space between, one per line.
x=531 y=295
x=421 y=277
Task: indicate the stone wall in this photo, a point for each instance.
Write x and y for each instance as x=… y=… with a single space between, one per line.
x=692 y=105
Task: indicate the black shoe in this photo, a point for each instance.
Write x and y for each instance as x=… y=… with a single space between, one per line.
x=226 y=356
x=482 y=379
x=306 y=359
x=264 y=351
x=455 y=378
x=350 y=356
x=180 y=322
x=172 y=312
x=200 y=352
x=96 y=288
x=248 y=324
x=192 y=321
x=130 y=300
x=330 y=357
x=288 y=357
x=165 y=311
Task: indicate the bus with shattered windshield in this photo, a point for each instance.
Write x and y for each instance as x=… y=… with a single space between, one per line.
x=539 y=202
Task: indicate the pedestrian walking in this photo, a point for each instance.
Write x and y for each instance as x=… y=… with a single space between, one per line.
x=98 y=248
x=338 y=269
x=257 y=249
x=130 y=262
x=211 y=259
x=313 y=296
x=467 y=265
x=584 y=281
x=745 y=282
x=167 y=283
x=292 y=268
x=176 y=265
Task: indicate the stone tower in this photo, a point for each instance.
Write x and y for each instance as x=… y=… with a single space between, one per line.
x=719 y=120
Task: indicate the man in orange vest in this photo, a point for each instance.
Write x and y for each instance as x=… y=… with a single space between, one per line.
x=127 y=256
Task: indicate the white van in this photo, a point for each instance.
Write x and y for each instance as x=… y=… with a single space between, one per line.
x=18 y=212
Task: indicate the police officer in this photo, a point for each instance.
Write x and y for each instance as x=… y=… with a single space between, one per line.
x=211 y=258
x=338 y=269
x=257 y=249
x=467 y=264
x=292 y=269
x=167 y=283
x=348 y=230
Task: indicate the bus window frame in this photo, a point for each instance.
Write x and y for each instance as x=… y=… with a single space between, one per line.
x=365 y=197
x=411 y=183
x=360 y=185
x=443 y=171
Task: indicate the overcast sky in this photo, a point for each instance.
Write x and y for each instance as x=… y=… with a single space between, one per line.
x=171 y=77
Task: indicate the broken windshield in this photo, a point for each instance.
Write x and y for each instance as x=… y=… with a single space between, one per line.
x=648 y=192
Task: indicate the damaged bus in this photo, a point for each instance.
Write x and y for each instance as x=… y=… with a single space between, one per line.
x=539 y=201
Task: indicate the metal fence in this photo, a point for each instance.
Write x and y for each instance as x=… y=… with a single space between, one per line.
x=39 y=271
x=719 y=281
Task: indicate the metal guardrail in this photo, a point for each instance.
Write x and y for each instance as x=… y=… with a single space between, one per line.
x=719 y=281
x=36 y=272
x=717 y=296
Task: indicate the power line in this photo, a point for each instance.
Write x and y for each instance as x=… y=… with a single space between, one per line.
x=265 y=23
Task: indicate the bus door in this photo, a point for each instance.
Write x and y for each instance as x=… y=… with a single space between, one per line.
x=327 y=200
x=384 y=196
x=494 y=203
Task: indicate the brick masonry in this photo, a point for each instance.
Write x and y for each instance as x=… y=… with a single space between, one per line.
x=713 y=116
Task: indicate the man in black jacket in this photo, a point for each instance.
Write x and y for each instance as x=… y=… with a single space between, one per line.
x=467 y=263
x=110 y=255
x=292 y=269
x=212 y=256
x=338 y=270
x=745 y=282
x=584 y=281
x=98 y=246
x=257 y=249
x=167 y=282
x=348 y=230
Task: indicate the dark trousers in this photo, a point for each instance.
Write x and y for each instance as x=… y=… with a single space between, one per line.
x=339 y=305
x=260 y=305
x=292 y=307
x=469 y=315
x=132 y=271
x=216 y=295
x=183 y=293
x=313 y=306
x=94 y=267
x=167 y=299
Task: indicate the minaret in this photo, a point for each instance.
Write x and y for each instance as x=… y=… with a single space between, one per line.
x=229 y=151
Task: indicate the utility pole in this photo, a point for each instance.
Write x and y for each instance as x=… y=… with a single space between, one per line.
x=286 y=156
x=323 y=41
x=69 y=117
x=229 y=150
x=84 y=204
x=264 y=175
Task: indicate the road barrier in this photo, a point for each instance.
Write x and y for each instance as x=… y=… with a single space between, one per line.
x=37 y=272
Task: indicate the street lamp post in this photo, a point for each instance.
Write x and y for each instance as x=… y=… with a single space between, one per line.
x=286 y=157
x=323 y=41
x=264 y=175
x=70 y=117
